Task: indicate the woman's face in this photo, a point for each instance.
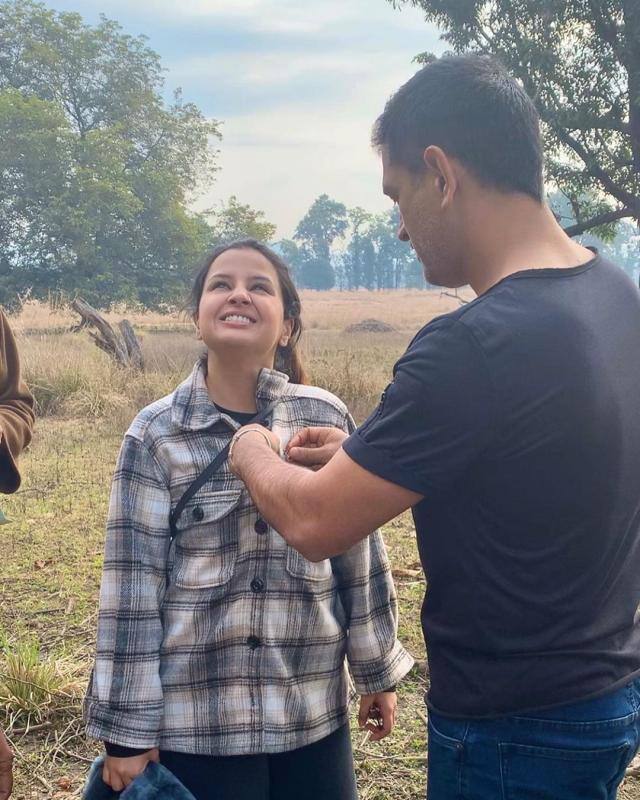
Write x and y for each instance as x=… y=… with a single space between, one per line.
x=241 y=308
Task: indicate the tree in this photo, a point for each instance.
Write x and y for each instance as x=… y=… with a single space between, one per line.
x=396 y=264
x=95 y=168
x=323 y=223
x=375 y=258
x=237 y=221
x=359 y=256
x=622 y=248
x=293 y=257
x=580 y=62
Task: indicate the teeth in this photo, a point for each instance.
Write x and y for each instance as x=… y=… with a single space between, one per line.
x=236 y=318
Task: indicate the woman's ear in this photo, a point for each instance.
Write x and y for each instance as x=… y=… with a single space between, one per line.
x=197 y=324
x=287 y=329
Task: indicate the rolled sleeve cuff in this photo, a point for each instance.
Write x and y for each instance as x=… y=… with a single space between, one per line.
x=381 y=464
x=373 y=676
x=135 y=728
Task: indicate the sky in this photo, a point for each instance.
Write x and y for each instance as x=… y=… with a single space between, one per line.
x=297 y=85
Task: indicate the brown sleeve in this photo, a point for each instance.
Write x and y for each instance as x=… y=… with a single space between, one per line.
x=16 y=410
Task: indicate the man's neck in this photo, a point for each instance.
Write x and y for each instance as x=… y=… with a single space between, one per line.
x=513 y=233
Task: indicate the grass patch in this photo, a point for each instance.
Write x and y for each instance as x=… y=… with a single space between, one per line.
x=34 y=686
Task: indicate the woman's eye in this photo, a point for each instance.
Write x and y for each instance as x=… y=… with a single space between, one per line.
x=219 y=284
x=260 y=287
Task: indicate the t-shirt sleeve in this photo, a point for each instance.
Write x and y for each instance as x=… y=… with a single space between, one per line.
x=435 y=418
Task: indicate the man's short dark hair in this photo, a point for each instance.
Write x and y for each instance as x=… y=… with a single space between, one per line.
x=476 y=112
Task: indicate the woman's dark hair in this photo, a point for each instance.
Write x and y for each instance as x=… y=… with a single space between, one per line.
x=287 y=358
x=471 y=107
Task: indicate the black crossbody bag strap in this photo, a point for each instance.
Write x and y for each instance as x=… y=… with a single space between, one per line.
x=262 y=418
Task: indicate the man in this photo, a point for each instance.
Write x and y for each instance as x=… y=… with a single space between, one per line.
x=510 y=428
x=16 y=425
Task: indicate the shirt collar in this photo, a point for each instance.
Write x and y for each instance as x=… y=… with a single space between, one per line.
x=193 y=410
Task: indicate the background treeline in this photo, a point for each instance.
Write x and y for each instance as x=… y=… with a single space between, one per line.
x=98 y=171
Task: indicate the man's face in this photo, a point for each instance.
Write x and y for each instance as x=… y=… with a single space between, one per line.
x=423 y=221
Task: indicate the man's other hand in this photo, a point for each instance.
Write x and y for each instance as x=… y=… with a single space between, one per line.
x=314 y=447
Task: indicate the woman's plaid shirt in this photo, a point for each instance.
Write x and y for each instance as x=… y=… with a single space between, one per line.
x=227 y=641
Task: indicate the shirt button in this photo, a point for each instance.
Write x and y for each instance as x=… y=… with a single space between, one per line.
x=257 y=585
x=253 y=642
x=198 y=513
x=261 y=527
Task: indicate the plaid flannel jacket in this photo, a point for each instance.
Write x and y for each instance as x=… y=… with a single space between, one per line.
x=227 y=641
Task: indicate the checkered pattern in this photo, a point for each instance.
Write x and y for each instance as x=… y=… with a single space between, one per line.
x=227 y=641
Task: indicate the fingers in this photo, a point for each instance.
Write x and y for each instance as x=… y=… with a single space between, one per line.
x=315 y=447
x=119 y=772
x=309 y=437
x=363 y=713
x=377 y=714
x=111 y=778
x=309 y=456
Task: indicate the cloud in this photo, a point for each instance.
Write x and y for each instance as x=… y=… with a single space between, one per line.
x=281 y=159
x=297 y=84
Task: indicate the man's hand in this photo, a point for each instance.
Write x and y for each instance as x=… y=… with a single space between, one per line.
x=245 y=442
x=314 y=447
x=119 y=772
x=6 y=768
x=378 y=713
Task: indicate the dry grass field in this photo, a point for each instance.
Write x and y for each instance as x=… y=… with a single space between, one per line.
x=52 y=548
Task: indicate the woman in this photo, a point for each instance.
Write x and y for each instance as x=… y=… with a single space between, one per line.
x=221 y=652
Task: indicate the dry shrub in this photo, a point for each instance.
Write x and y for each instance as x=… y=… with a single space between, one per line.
x=370 y=326
x=355 y=368
x=33 y=686
x=71 y=378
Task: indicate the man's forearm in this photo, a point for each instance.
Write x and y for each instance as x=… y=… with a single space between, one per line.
x=323 y=513
x=282 y=492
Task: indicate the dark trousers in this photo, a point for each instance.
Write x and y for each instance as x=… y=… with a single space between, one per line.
x=320 y=771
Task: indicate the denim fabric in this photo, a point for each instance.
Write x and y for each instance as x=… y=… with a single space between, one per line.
x=574 y=752
x=155 y=783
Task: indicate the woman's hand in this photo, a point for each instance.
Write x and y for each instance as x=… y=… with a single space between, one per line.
x=314 y=447
x=119 y=772
x=378 y=713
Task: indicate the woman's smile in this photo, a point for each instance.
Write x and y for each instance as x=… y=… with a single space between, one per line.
x=238 y=320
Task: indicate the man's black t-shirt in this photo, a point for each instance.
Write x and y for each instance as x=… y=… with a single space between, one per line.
x=518 y=418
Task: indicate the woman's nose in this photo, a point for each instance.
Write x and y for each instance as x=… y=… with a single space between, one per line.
x=240 y=295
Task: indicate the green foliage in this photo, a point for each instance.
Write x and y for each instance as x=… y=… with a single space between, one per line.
x=237 y=221
x=95 y=169
x=580 y=62
x=323 y=223
x=375 y=258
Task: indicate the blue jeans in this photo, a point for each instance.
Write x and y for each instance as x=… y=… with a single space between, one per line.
x=578 y=751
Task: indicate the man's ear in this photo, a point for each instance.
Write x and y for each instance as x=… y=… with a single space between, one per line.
x=442 y=170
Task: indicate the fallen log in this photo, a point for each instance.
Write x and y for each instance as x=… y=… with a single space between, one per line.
x=121 y=344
